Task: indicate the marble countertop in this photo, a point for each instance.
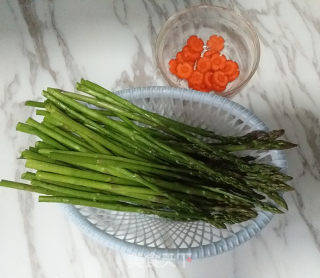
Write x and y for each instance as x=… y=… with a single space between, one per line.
x=54 y=43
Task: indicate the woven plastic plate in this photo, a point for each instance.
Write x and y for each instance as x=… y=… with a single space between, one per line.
x=159 y=238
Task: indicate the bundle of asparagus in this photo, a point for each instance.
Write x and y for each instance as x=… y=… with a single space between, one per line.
x=114 y=155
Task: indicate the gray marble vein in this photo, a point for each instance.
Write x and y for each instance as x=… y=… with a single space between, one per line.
x=26 y=207
x=70 y=64
x=36 y=31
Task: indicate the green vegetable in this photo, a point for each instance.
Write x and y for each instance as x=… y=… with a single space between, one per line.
x=115 y=155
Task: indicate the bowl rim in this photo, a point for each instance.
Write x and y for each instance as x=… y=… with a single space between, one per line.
x=236 y=13
x=181 y=254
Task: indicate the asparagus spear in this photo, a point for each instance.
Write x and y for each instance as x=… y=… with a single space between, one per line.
x=25 y=187
x=63 y=191
x=174 y=215
x=104 y=158
x=34 y=103
x=71 y=137
x=31 y=130
x=164 y=150
x=103 y=94
x=57 y=136
x=69 y=171
x=114 y=188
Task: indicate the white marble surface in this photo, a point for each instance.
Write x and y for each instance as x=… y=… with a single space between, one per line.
x=54 y=43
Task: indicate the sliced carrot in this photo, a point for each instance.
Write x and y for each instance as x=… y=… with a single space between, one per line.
x=185 y=48
x=201 y=87
x=209 y=53
x=194 y=87
x=179 y=57
x=207 y=79
x=191 y=64
x=184 y=70
x=233 y=76
x=217 y=88
x=196 y=78
x=195 y=43
x=230 y=67
x=204 y=64
x=173 y=66
x=218 y=61
x=189 y=55
x=210 y=72
x=204 y=88
x=215 y=43
x=219 y=79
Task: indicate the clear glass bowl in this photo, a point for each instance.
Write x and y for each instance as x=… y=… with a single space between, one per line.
x=241 y=41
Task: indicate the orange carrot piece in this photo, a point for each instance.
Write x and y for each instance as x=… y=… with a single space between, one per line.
x=201 y=87
x=173 y=66
x=217 y=88
x=204 y=88
x=218 y=61
x=233 y=76
x=204 y=64
x=189 y=55
x=230 y=67
x=209 y=53
x=210 y=72
x=219 y=79
x=215 y=43
x=207 y=79
x=184 y=70
x=195 y=43
x=194 y=87
x=196 y=78
x=179 y=57
x=191 y=64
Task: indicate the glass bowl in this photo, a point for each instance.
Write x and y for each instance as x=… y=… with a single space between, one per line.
x=241 y=41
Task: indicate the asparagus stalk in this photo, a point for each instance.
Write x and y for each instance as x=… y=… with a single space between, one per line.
x=103 y=158
x=56 y=98
x=258 y=145
x=32 y=103
x=71 y=137
x=33 y=179
x=105 y=105
x=83 y=131
x=121 y=207
x=63 y=191
x=109 y=170
x=162 y=148
x=31 y=130
x=25 y=187
x=179 y=133
x=103 y=94
x=57 y=136
x=40 y=112
x=28 y=176
x=26 y=154
x=113 y=188
x=69 y=171
x=175 y=156
x=98 y=158
x=42 y=145
x=106 y=95
x=84 y=174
